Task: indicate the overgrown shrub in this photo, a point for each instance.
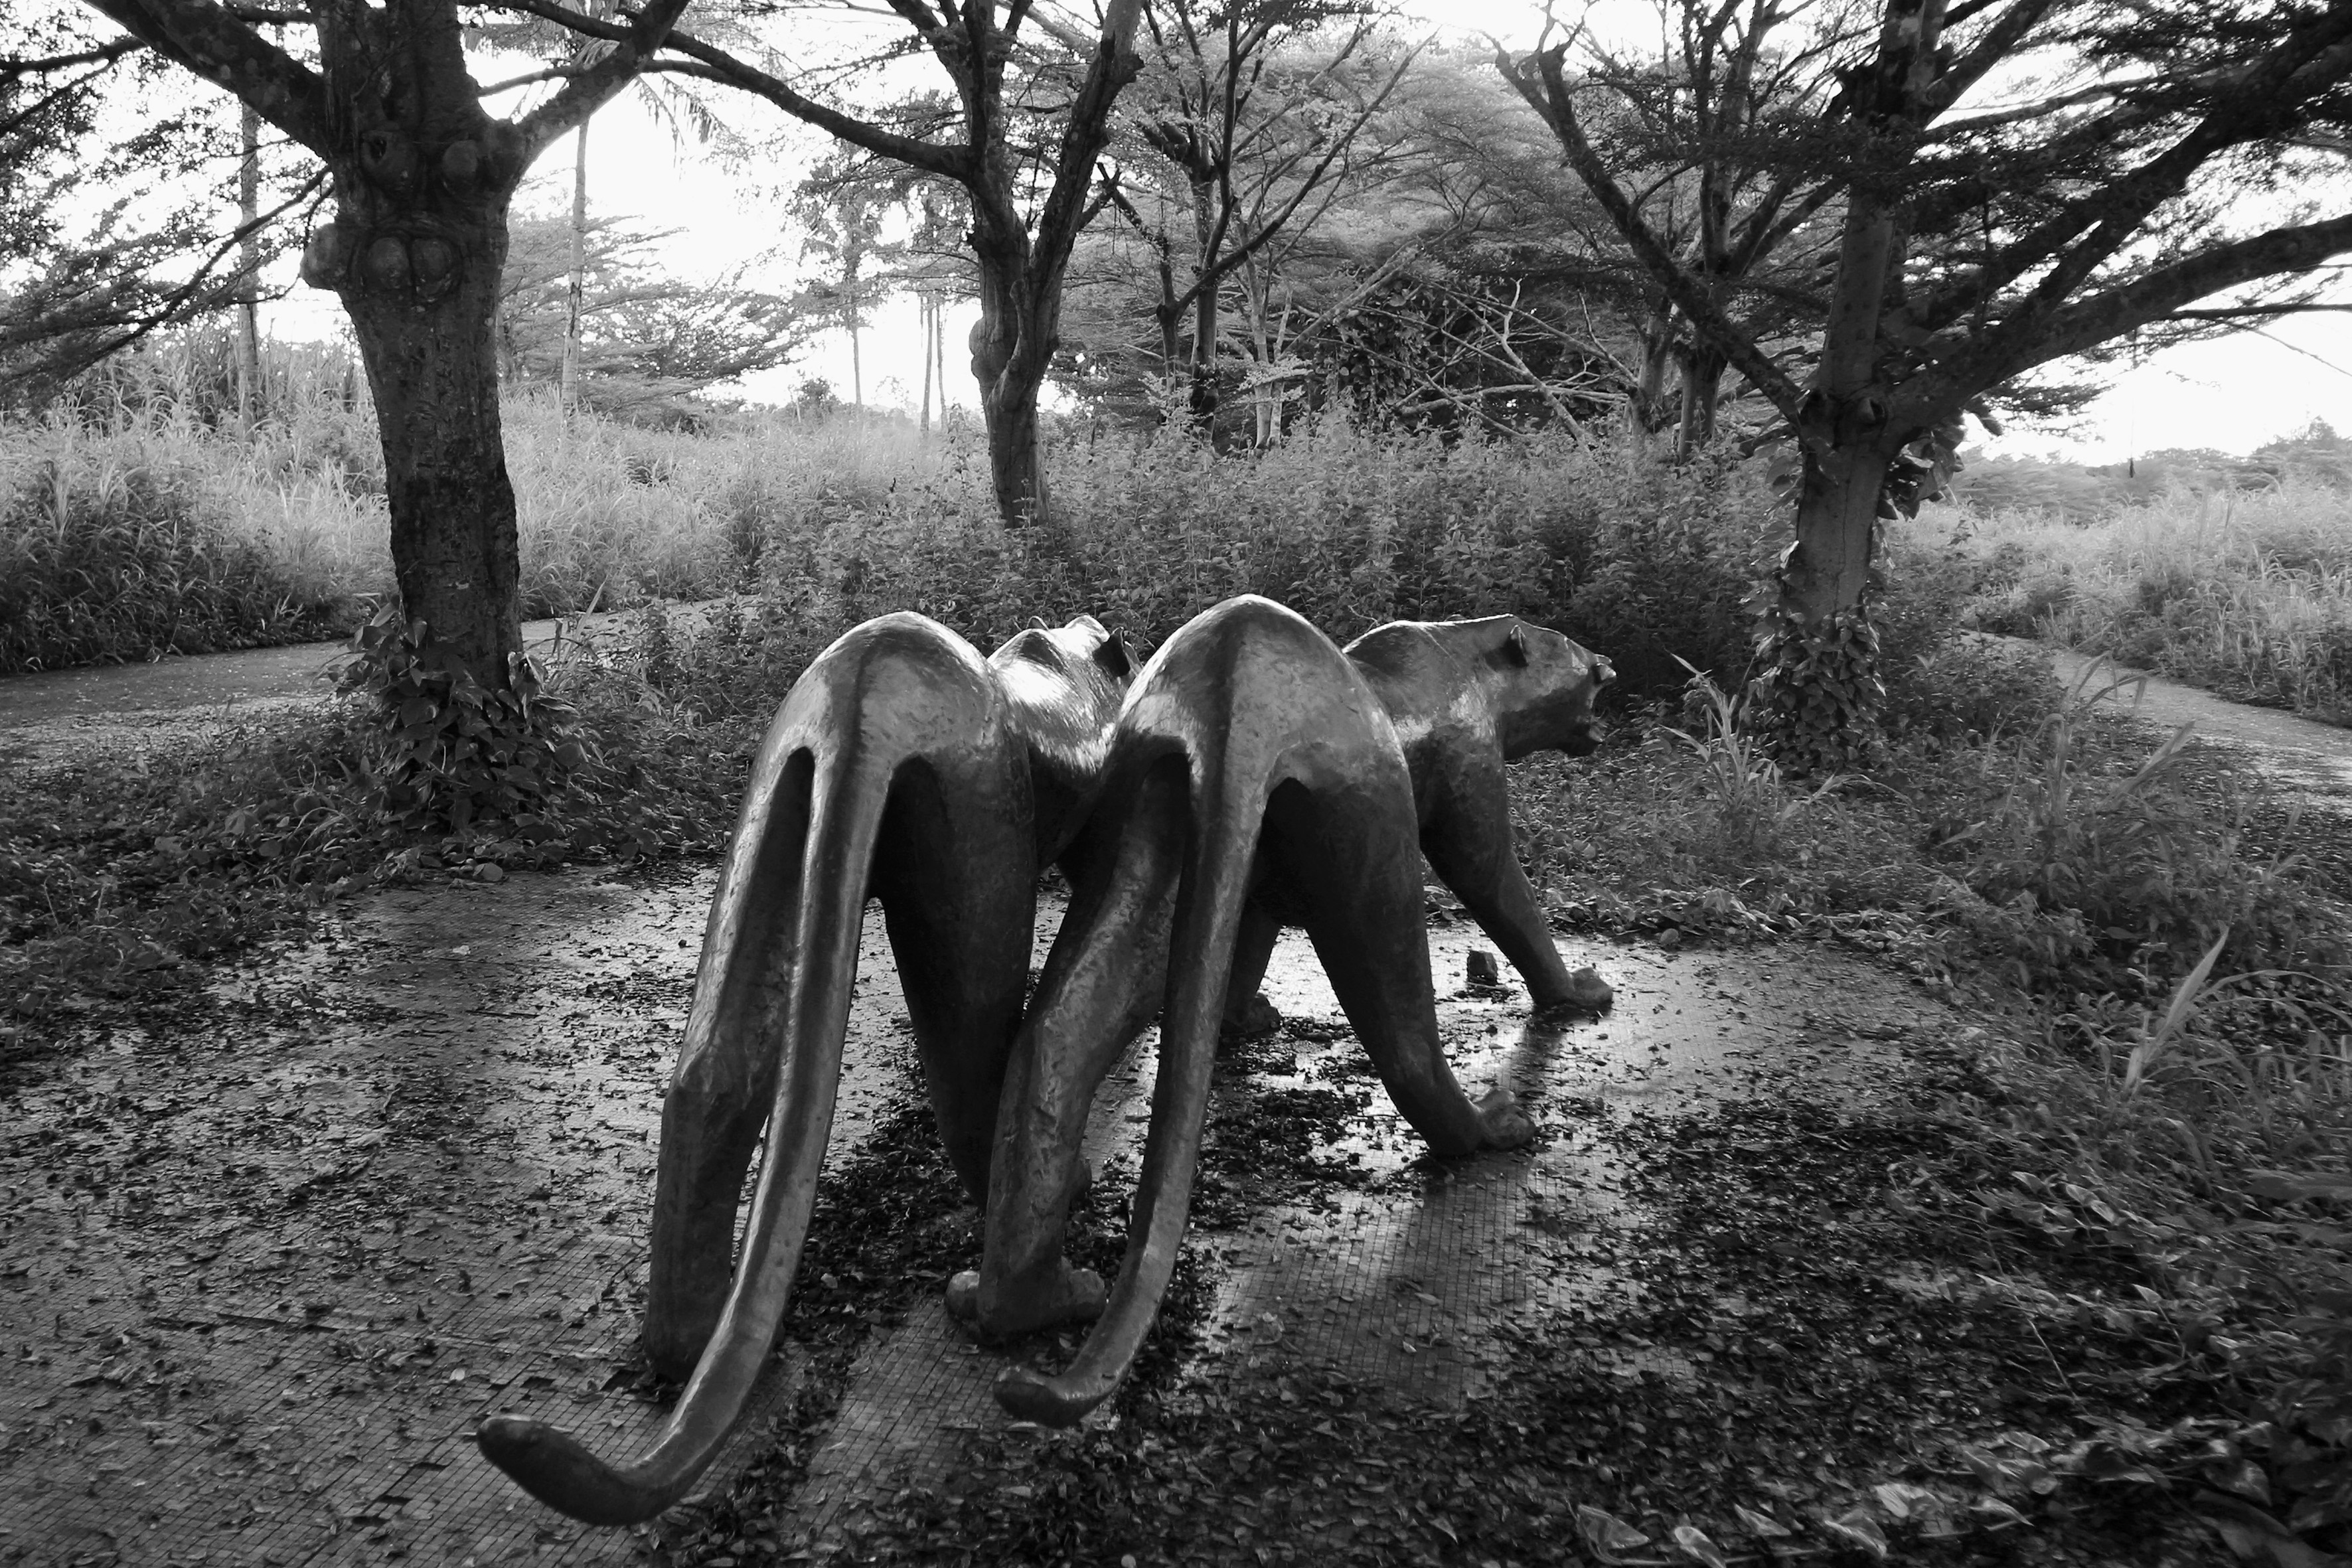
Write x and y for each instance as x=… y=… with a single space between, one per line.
x=1348 y=530
x=2115 y=878
x=108 y=555
x=2248 y=593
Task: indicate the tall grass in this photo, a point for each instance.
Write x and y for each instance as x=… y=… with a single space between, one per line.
x=2247 y=591
x=829 y=522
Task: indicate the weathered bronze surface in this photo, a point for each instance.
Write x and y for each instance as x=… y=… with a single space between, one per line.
x=903 y=765
x=1467 y=697
x=1257 y=775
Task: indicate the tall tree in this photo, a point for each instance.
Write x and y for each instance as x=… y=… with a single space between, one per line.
x=1693 y=128
x=849 y=202
x=1248 y=125
x=422 y=178
x=841 y=221
x=1979 y=240
x=78 y=282
x=646 y=339
x=1020 y=136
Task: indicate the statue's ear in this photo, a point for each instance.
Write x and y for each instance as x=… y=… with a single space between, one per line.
x=1037 y=623
x=1111 y=654
x=1515 y=647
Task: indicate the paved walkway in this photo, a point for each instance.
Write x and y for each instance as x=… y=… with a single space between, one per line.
x=265 y=1268
x=2306 y=753
x=75 y=716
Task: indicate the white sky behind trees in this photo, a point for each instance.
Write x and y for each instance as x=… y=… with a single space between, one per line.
x=2231 y=394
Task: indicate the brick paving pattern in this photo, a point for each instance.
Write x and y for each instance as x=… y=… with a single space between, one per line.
x=256 y=1291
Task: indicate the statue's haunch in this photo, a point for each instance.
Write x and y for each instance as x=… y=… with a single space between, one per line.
x=1259 y=773
x=903 y=764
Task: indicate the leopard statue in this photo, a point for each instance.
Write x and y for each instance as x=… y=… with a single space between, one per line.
x=1255 y=763
x=903 y=765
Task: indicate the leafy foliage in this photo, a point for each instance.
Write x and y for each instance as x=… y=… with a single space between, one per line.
x=1816 y=696
x=107 y=563
x=456 y=750
x=79 y=280
x=650 y=341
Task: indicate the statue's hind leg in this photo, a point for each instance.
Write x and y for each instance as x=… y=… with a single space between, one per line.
x=956 y=875
x=1101 y=984
x=1352 y=861
x=725 y=1080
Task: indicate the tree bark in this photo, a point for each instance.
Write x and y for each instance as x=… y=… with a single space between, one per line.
x=1203 y=397
x=923 y=319
x=432 y=367
x=414 y=253
x=248 y=216
x=1837 y=523
x=1011 y=347
x=567 y=372
x=1702 y=391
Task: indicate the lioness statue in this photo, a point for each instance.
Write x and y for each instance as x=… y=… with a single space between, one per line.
x=1255 y=761
x=1466 y=697
x=903 y=765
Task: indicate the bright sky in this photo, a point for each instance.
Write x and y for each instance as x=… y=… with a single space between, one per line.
x=2233 y=394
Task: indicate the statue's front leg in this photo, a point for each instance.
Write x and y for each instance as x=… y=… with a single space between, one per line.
x=1469 y=847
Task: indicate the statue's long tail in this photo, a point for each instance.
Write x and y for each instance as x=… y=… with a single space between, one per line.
x=1209 y=901
x=844 y=798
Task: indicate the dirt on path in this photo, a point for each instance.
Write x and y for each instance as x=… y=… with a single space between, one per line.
x=267 y=1262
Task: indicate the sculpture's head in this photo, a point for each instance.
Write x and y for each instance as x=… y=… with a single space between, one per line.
x=1063 y=687
x=1076 y=674
x=1549 y=687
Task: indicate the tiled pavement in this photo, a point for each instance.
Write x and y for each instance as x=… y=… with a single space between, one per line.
x=256 y=1286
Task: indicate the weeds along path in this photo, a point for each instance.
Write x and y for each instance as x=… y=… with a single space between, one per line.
x=2313 y=758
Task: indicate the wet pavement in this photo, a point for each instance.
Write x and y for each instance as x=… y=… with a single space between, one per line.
x=261 y=1273
x=2313 y=758
x=56 y=718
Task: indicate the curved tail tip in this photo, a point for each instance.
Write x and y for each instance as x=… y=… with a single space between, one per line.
x=552 y=1466
x=1048 y=1401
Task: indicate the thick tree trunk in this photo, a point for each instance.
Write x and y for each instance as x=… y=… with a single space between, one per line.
x=1203 y=400
x=1702 y=390
x=1828 y=572
x=1657 y=354
x=1010 y=411
x=421 y=289
x=1011 y=344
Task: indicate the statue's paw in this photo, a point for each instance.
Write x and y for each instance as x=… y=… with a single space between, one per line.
x=1033 y=1397
x=1587 y=992
x=1501 y=1124
x=1252 y=1020
x=1070 y=1296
